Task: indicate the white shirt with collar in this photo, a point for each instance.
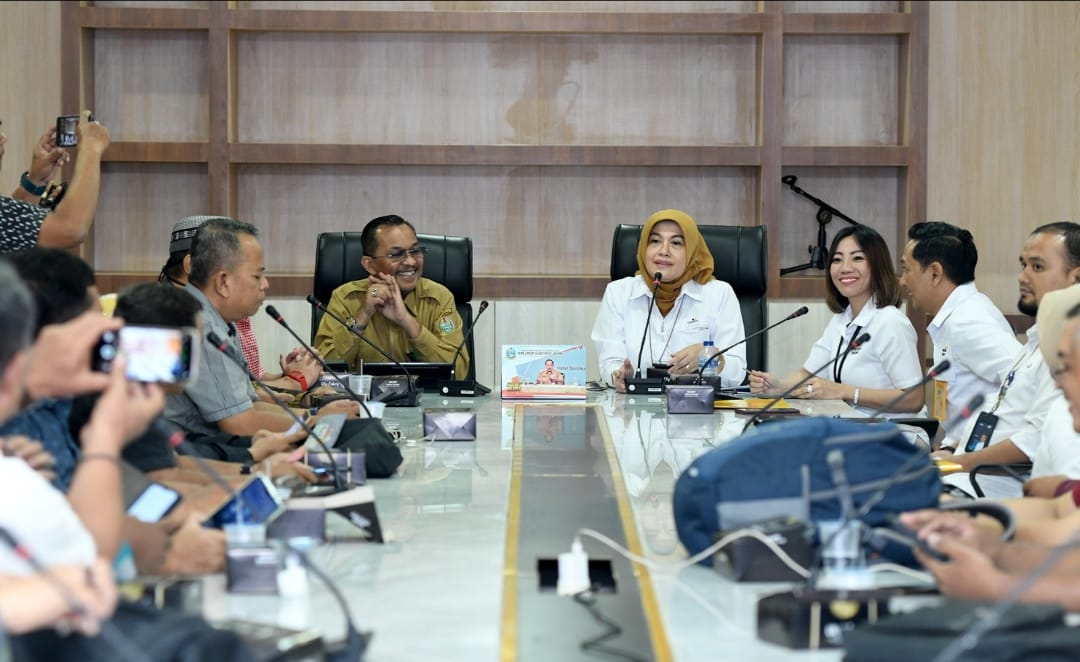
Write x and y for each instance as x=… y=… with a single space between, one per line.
x=1059 y=452
x=40 y=517
x=1022 y=411
x=701 y=312
x=889 y=360
x=980 y=345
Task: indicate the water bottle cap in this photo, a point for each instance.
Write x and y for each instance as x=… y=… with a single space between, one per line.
x=708 y=343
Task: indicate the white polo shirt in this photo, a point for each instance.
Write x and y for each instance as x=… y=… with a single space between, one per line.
x=40 y=517
x=889 y=360
x=974 y=336
x=701 y=312
x=1059 y=451
x=1023 y=409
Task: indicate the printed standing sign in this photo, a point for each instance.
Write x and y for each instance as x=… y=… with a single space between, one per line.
x=543 y=372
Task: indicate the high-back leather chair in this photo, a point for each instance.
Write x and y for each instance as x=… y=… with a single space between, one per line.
x=740 y=258
x=448 y=262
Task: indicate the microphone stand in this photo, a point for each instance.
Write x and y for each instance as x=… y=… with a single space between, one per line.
x=276 y=316
x=638 y=384
x=412 y=396
x=854 y=344
x=352 y=649
x=456 y=387
x=224 y=348
x=819 y=253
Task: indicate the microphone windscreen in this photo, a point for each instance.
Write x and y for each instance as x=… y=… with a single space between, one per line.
x=800 y=312
x=272 y=312
x=940 y=368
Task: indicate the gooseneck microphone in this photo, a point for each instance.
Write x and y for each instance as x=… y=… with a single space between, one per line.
x=798 y=313
x=456 y=387
x=933 y=373
x=225 y=349
x=637 y=383
x=853 y=345
x=276 y=316
x=412 y=396
x=355 y=643
x=109 y=632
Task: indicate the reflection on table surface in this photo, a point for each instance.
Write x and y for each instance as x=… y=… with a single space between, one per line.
x=435 y=589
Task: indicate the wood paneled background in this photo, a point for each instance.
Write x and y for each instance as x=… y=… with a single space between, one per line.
x=1003 y=148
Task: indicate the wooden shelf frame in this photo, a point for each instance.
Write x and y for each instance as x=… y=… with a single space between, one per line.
x=222 y=155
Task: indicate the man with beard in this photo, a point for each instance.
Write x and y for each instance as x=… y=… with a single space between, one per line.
x=410 y=317
x=1012 y=418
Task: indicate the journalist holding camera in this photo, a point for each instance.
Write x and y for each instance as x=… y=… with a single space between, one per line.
x=40 y=213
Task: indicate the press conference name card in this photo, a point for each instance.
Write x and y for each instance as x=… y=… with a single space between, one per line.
x=543 y=372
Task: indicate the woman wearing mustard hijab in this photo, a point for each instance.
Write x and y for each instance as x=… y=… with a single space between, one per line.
x=691 y=307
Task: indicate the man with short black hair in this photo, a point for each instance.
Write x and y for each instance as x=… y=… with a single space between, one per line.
x=410 y=317
x=1012 y=419
x=938 y=274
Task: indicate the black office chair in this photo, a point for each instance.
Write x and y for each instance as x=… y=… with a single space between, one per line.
x=740 y=257
x=448 y=262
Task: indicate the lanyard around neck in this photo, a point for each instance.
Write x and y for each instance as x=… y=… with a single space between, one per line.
x=1009 y=380
x=838 y=363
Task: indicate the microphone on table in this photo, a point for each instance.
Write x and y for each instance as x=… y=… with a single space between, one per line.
x=276 y=316
x=227 y=350
x=411 y=398
x=637 y=383
x=125 y=647
x=798 y=313
x=853 y=345
x=933 y=373
x=456 y=387
x=792 y=613
x=355 y=642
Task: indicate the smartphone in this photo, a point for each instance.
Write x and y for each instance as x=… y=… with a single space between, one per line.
x=65 y=131
x=155 y=502
x=259 y=505
x=982 y=432
x=154 y=354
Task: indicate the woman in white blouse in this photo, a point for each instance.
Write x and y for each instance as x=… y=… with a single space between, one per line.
x=864 y=292
x=690 y=307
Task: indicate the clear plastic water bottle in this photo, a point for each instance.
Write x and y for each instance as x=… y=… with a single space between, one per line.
x=708 y=360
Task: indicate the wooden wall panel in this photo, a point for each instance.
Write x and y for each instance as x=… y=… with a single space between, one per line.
x=522 y=220
x=547 y=6
x=131 y=232
x=868 y=195
x=841 y=90
x=493 y=89
x=152 y=85
x=841 y=6
x=171 y=4
x=31 y=99
x=1004 y=139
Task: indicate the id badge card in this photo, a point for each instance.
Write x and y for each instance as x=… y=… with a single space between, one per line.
x=982 y=432
x=941 y=400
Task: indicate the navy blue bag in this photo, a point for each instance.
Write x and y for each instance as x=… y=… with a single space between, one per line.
x=780 y=469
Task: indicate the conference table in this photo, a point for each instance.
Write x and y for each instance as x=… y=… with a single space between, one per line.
x=473 y=527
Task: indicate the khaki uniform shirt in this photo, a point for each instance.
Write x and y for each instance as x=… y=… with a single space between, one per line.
x=430 y=303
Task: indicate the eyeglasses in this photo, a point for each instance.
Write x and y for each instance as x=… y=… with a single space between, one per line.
x=399 y=255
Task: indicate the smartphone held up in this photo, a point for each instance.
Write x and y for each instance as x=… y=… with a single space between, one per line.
x=163 y=355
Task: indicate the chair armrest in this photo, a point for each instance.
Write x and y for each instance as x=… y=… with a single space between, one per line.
x=1020 y=471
